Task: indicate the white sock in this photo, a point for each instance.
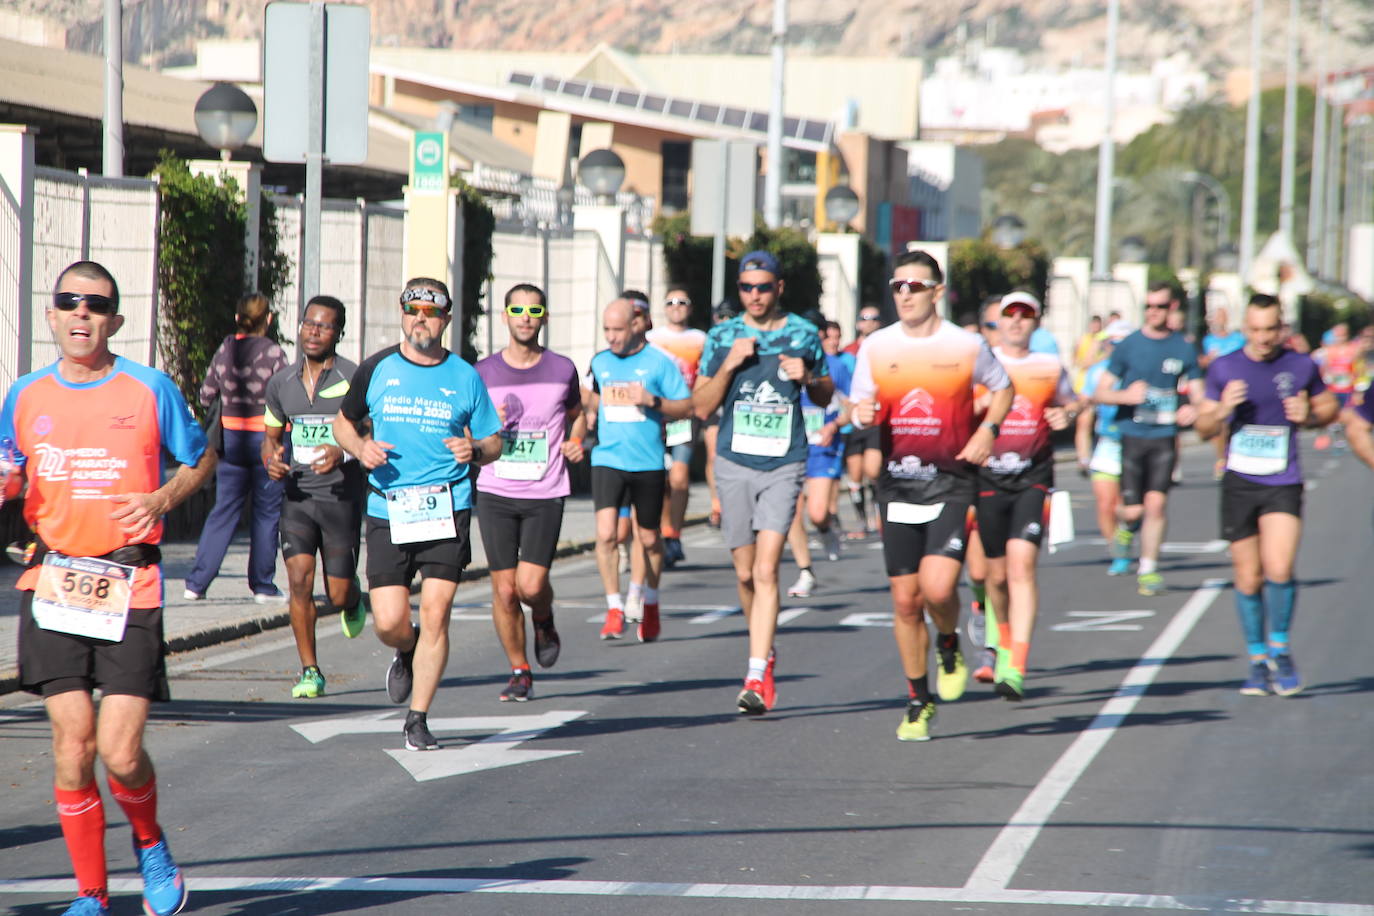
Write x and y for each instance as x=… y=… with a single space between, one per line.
x=613 y=601
x=756 y=667
x=636 y=591
x=1147 y=566
x=650 y=595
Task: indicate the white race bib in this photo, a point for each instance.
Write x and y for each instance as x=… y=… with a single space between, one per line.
x=814 y=418
x=421 y=513
x=913 y=513
x=1106 y=457
x=1260 y=451
x=309 y=434
x=524 y=455
x=764 y=430
x=677 y=432
x=83 y=596
x=1160 y=407
x=619 y=403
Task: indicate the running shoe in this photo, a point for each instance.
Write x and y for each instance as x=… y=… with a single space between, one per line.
x=164 y=889
x=310 y=685
x=1286 y=680
x=750 y=699
x=1121 y=542
x=951 y=676
x=352 y=620
x=399 y=677
x=830 y=538
x=916 y=721
x=1012 y=684
x=1121 y=566
x=614 y=627
x=806 y=581
x=673 y=553
x=649 y=625
x=1260 y=681
x=1149 y=584
x=547 y=645
x=192 y=595
x=770 y=687
x=520 y=688
x=634 y=608
x=271 y=597
x=417 y=734
x=87 y=906
x=985 y=673
x=977 y=626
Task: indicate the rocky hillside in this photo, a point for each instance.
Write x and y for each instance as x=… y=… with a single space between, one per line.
x=1055 y=32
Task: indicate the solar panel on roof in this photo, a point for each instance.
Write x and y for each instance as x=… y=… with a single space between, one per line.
x=734 y=117
x=600 y=93
x=758 y=121
x=654 y=103
x=574 y=87
x=550 y=83
x=708 y=113
x=627 y=98
x=790 y=126
x=814 y=131
x=522 y=79
x=679 y=108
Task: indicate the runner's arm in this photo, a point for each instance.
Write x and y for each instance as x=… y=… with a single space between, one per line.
x=1358 y=434
x=138 y=513
x=1323 y=411
x=1083 y=433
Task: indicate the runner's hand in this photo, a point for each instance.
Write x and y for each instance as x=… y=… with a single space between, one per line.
x=1187 y=415
x=137 y=514
x=794 y=368
x=1297 y=409
x=276 y=468
x=740 y=350
x=1057 y=417
x=573 y=451
x=462 y=448
x=1135 y=393
x=866 y=411
x=373 y=454
x=1233 y=395
x=978 y=447
x=331 y=456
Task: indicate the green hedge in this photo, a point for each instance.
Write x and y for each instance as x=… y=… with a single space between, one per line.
x=978 y=269
x=478 y=225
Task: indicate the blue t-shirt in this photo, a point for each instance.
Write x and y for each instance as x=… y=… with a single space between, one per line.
x=760 y=397
x=1042 y=341
x=414 y=408
x=1161 y=363
x=1215 y=346
x=1263 y=445
x=1104 y=422
x=842 y=377
x=629 y=437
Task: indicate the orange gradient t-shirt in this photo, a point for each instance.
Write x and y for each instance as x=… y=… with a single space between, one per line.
x=1024 y=439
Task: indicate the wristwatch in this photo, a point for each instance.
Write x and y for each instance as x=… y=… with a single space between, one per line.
x=995 y=427
x=657 y=402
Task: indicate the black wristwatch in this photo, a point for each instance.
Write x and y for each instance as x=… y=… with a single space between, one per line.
x=657 y=402
x=995 y=427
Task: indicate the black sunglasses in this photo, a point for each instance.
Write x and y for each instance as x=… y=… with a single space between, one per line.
x=990 y=325
x=98 y=305
x=761 y=287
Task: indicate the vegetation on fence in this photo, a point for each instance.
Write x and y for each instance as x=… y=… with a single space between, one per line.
x=201 y=255
x=688 y=259
x=978 y=269
x=478 y=225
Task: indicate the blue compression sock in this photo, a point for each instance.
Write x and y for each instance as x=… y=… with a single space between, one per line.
x=1279 y=598
x=1251 y=611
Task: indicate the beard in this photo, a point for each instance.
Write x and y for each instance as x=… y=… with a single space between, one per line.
x=420 y=337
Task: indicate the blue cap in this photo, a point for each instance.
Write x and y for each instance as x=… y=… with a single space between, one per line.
x=759 y=260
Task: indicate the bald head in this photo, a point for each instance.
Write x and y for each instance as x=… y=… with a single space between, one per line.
x=620 y=310
x=623 y=334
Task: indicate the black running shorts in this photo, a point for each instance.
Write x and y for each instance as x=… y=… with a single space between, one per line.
x=905 y=546
x=610 y=487
x=519 y=530
x=1147 y=465
x=860 y=440
x=1244 y=501
x=51 y=663
x=1003 y=514
x=326 y=526
x=397 y=564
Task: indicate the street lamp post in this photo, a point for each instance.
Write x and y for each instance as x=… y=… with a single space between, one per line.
x=603 y=172
x=841 y=205
x=1223 y=204
x=1008 y=231
x=225 y=118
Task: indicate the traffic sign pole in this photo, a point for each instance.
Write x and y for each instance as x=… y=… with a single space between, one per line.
x=314 y=162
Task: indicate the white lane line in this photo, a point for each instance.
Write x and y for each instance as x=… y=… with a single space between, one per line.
x=999 y=864
x=791 y=614
x=715 y=614
x=831 y=893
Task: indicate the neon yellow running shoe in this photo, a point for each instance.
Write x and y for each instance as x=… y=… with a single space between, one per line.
x=916 y=721
x=310 y=685
x=1012 y=684
x=951 y=675
x=1149 y=584
x=353 y=620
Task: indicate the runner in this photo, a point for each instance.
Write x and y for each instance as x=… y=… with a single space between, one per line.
x=1100 y=439
x=90 y=431
x=823 y=456
x=1150 y=365
x=915 y=380
x=520 y=496
x=863 y=459
x=756 y=366
x=989 y=326
x=634 y=386
x=420 y=420
x=1216 y=343
x=1338 y=359
x=322 y=508
x=1014 y=486
x=1263 y=395
x=684 y=344
x=1358 y=418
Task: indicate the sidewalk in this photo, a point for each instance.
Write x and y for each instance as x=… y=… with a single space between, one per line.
x=228 y=611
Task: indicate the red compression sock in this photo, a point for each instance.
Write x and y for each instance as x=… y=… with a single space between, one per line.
x=140 y=807
x=82 y=816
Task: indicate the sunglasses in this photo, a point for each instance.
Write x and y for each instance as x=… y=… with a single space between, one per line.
x=424 y=311
x=321 y=326
x=868 y=317
x=1018 y=311
x=534 y=311
x=990 y=325
x=904 y=285
x=98 y=305
x=767 y=287
x=678 y=302
x=1158 y=305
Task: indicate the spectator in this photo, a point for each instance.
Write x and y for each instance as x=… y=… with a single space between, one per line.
x=238 y=378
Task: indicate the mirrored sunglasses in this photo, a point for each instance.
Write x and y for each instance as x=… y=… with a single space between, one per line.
x=905 y=285
x=423 y=310
x=98 y=305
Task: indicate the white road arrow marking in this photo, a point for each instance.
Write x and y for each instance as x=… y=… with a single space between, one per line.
x=867 y=620
x=1100 y=621
x=498 y=750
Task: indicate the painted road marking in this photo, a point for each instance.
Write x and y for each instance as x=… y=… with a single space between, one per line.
x=490 y=753
x=999 y=864
x=1213 y=546
x=862 y=893
x=868 y=619
x=1099 y=621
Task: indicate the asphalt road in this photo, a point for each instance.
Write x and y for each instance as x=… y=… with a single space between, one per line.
x=1133 y=778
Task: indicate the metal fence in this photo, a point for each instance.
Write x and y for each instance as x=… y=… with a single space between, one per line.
x=11 y=280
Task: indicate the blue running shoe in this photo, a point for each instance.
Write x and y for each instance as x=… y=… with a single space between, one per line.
x=1258 y=684
x=1121 y=566
x=164 y=890
x=1287 y=682
x=86 y=906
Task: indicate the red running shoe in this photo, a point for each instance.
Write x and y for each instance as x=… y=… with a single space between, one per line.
x=649 y=627
x=614 y=627
x=770 y=689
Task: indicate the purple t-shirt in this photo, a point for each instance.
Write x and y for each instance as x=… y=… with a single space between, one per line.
x=1264 y=444
x=536 y=402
